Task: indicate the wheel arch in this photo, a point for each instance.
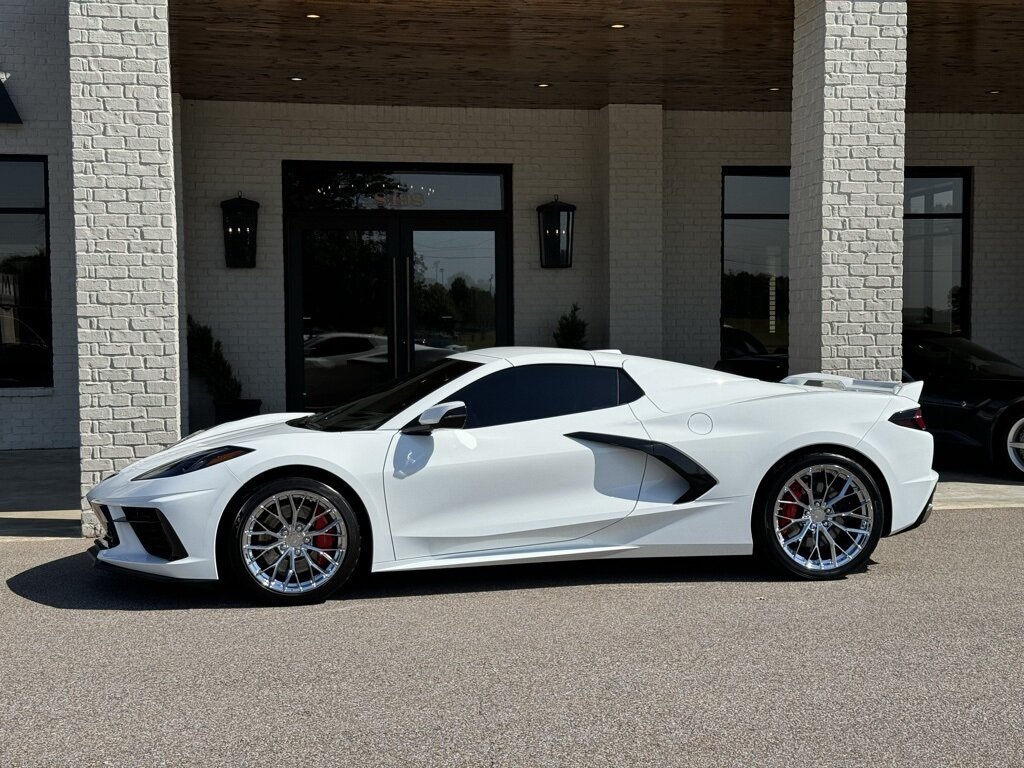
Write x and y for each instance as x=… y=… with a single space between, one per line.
x=839 y=450
x=311 y=473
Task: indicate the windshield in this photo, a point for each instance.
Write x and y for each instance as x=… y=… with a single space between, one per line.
x=374 y=410
x=956 y=355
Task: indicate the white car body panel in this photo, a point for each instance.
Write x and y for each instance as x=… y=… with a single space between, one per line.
x=525 y=492
x=484 y=490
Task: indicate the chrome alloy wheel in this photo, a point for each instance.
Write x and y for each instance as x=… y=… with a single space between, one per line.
x=293 y=542
x=823 y=517
x=1015 y=445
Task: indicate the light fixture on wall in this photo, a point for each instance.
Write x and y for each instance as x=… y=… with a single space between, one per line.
x=240 y=218
x=556 y=221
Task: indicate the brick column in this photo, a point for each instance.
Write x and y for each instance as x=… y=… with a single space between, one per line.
x=846 y=208
x=125 y=233
x=631 y=145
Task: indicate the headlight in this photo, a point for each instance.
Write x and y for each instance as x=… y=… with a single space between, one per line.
x=195 y=462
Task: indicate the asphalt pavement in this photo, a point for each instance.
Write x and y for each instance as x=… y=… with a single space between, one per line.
x=918 y=661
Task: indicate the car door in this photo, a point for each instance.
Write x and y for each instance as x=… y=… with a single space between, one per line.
x=512 y=477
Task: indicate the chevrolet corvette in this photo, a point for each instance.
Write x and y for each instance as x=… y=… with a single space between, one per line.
x=513 y=455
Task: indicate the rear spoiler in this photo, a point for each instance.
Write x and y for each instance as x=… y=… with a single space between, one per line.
x=911 y=391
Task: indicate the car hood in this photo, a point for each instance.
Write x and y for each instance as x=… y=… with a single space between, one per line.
x=242 y=433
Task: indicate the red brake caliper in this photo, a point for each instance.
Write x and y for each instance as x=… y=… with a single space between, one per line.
x=791 y=510
x=321 y=541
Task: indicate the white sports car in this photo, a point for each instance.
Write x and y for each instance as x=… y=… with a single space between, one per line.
x=526 y=455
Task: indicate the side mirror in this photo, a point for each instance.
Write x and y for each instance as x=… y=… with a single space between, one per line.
x=443 y=416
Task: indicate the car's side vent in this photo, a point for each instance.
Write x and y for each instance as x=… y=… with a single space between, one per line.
x=154 y=533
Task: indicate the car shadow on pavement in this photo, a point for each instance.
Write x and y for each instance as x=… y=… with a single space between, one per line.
x=562 y=574
x=72 y=583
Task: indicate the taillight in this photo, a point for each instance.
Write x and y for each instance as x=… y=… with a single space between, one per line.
x=912 y=419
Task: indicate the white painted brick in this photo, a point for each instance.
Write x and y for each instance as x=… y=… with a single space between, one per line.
x=108 y=157
x=839 y=125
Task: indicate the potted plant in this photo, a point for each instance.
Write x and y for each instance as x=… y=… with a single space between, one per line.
x=206 y=360
x=572 y=330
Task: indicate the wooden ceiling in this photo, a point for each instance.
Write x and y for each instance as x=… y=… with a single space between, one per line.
x=701 y=54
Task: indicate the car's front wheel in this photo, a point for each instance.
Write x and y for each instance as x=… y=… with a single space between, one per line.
x=820 y=516
x=294 y=540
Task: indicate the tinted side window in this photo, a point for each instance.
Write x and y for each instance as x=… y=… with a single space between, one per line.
x=535 y=392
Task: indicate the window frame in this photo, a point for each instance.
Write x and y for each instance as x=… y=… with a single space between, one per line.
x=44 y=211
x=742 y=170
x=966 y=176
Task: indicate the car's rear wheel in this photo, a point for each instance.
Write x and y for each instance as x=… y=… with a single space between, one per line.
x=819 y=516
x=1011 y=443
x=294 y=540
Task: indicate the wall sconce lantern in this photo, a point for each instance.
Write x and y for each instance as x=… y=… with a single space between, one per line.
x=240 y=232
x=556 y=229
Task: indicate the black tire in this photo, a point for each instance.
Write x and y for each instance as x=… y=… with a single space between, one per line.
x=830 y=525
x=1010 y=426
x=311 y=514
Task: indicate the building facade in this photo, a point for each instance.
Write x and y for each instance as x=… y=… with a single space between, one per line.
x=803 y=188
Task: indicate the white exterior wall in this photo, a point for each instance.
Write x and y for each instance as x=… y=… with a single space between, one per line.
x=235 y=146
x=630 y=136
x=34 y=51
x=993 y=146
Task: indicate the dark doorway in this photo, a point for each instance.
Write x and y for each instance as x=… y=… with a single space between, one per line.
x=388 y=268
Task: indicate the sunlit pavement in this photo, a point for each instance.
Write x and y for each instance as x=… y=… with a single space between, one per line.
x=917 y=661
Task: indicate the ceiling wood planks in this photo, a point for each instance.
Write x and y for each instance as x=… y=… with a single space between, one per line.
x=701 y=54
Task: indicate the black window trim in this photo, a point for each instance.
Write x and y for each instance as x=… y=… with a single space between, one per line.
x=740 y=170
x=966 y=175
x=45 y=212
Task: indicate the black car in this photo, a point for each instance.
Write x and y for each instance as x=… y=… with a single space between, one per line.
x=973 y=399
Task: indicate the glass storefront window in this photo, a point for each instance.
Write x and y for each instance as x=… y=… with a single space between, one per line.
x=25 y=329
x=935 y=243
x=755 y=260
x=755 y=255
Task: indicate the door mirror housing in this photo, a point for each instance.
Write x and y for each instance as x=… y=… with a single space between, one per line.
x=443 y=416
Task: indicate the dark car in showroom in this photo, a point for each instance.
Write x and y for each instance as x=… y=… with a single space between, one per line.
x=973 y=400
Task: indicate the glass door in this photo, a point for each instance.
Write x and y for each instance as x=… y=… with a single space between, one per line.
x=452 y=297
x=346 y=301
x=389 y=268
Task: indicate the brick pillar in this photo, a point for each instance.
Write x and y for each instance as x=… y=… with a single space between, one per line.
x=125 y=233
x=631 y=148
x=846 y=208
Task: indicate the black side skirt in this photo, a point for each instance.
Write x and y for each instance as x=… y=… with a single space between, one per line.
x=699 y=479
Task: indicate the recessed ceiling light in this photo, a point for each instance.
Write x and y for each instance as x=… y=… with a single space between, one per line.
x=297 y=79
x=543 y=85
x=993 y=92
x=618 y=26
x=775 y=89
x=312 y=15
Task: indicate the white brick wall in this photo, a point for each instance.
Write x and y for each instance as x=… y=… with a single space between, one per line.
x=34 y=51
x=697 y=146
x=232 y=147
x=993 y=145
x=125 y=232
x=846 y=206
x=630 y=136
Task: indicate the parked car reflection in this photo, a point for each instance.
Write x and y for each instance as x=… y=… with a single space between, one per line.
x=341 y=366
